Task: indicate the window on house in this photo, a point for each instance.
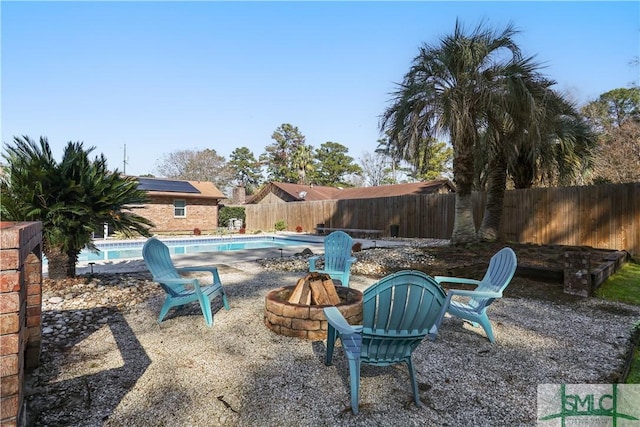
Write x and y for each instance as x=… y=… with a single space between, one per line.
x=180 y=208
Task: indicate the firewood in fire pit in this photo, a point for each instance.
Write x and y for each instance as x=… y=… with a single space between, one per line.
x=316 y=289
x=294 y=298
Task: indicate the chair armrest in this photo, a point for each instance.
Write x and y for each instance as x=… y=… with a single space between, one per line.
x=351 y=260
x=475 y=294
x=445 y=279
x=337 y=320
x=312 y=262
x=433 y=332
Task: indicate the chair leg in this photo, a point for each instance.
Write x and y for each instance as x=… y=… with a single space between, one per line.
x=224 y=301
x=354 y=377
x=414 y=383
x=486 y=325
x=345 y=280
x=331 y=340
x=205 y=306
x=165 y=309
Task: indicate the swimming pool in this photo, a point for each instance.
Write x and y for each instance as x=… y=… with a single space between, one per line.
x=133 y=249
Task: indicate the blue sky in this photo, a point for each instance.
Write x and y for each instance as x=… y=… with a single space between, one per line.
x=165 y=76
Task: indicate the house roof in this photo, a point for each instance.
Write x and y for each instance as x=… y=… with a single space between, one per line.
x=299 y=192
x=413 y=188
x=179 y=188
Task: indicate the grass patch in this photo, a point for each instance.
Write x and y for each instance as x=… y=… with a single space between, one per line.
x=624 y=286
x=634 y=370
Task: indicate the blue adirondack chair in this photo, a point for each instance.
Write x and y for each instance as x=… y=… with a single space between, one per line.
x=502 y=267
x=398 y=312
x=181 y=290
x=337 y=257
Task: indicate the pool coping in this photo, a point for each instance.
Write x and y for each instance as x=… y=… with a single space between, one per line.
x=123 y=243
x=311 y=241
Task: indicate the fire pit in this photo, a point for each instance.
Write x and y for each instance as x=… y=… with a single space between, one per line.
x=307 y=320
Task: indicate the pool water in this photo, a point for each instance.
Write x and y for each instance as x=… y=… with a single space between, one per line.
x=127 y=250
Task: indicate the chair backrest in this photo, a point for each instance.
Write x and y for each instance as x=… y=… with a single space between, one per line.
x=502 y=267
x=398 y=312
x=337 y=249
x=158 y=259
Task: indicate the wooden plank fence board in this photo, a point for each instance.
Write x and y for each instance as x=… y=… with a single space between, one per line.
x=606 y=216
x=572 y=228
x=633 y=222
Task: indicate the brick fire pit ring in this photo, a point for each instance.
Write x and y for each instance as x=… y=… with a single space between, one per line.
x=308 y=321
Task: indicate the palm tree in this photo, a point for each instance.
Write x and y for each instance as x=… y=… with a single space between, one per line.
x=302 y=161
x=72 y=199
x=518 y=114
x=558 y=150
x=451 y=90
x=540 y=137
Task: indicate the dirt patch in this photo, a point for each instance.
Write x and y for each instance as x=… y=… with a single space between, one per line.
x=548 y=256
x=471 y=261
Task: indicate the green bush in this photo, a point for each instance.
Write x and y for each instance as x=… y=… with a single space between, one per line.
x=280 y=225
x=228 y=212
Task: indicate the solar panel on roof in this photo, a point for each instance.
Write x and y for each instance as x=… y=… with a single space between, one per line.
x=166 y=185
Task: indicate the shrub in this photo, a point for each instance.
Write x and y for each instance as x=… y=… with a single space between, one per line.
x=228 y=212
x=280 y=225
x=299 y=229
x=196 y=231
x=119 y=235
x=357 y=247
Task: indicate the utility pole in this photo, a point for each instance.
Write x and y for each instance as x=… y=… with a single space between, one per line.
x=124 y=161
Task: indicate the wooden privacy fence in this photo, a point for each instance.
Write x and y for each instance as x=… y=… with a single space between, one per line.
x=602 y=216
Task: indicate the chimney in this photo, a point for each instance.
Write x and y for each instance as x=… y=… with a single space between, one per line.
x=239 y=195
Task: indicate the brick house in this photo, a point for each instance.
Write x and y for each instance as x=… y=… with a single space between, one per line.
x=180 y=206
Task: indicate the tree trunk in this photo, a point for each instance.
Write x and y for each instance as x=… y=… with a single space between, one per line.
x=497 y=183
x=464 y=229
x=522 y=173
x=60 y=264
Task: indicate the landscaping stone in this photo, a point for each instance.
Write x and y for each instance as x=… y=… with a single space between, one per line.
x=107 y=362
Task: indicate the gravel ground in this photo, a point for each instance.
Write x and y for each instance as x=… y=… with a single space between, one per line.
x=115 y=366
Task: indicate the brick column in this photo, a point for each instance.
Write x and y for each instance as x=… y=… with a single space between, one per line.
x=20 y=312
x=577 y=273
